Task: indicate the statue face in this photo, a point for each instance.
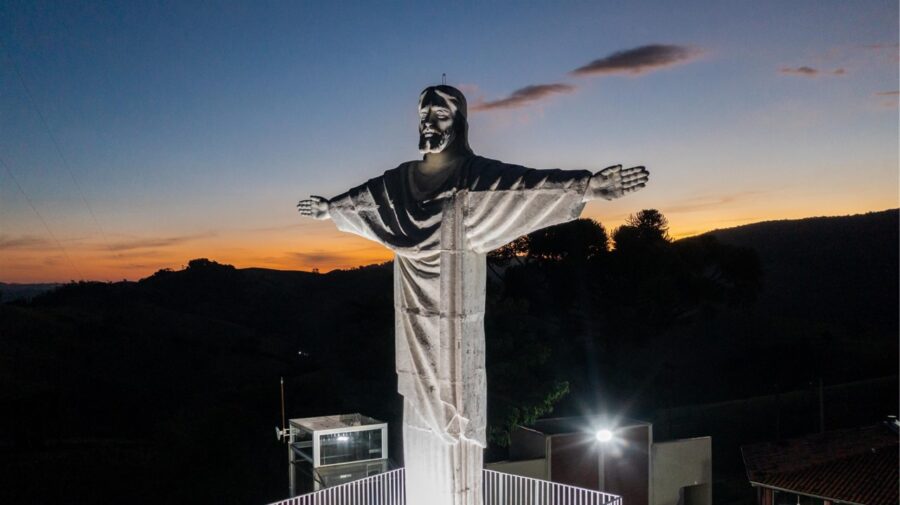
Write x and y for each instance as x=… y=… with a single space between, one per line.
x=436 y=113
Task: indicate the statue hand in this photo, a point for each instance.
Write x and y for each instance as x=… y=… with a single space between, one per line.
x=315 y=207
x=614 y=182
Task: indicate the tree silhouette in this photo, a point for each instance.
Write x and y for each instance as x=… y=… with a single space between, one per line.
x=650 y=221
x=588 y=306
x=645 y=230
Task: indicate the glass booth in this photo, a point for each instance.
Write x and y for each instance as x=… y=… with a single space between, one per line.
x=338 y=449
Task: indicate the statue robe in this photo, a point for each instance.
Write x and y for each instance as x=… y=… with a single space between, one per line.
x=441 y=237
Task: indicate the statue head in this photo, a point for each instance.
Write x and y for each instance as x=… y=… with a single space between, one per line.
x=442 y=120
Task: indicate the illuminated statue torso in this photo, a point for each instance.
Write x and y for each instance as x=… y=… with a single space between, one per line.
x=440 y=236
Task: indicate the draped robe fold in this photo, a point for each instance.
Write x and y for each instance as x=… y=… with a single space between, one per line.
x=440 y=237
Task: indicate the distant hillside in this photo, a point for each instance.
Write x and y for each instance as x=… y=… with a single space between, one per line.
x=177 y=376
x=836 y=269
x=828 y=308
x=10 y=291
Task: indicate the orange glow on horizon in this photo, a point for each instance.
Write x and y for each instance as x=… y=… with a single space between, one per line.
x=317 y=246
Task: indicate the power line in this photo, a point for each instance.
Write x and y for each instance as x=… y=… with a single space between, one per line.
x=65 y=161
x=41 y=218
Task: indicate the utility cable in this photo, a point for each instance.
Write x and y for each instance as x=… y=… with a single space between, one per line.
x=41 y=218
x=65 y=161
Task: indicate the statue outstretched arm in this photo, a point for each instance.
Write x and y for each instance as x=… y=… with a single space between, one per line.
x=316 y=207
x=615 y=182
x=354 y=212
x=508 y=201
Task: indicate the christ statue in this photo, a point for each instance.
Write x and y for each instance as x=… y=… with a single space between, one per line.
x=440 y=216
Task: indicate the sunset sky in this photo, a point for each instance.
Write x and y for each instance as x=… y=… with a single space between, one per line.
x=135 y=136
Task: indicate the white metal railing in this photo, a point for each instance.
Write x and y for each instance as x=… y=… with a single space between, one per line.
x=507 y=489
x=382 y=489
x=499 y=489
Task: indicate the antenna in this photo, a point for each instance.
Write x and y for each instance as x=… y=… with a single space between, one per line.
x=444 y=79
x=287 y=434
x=282 y=406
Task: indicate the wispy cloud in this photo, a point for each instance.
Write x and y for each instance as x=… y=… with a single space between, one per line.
x=468 y=89
x=23 y=242
x=525 y=96
x=704 y=202
x=892 y=98
x=134 y=253
x=631 y=61
x=326 y=259
x=153 y=242
x=322 y=257
x=881 y=46
x=639 y=60
x=318 y=257
x=810 y=71
x=52 y=261
x=263 y=229
x=139 y=266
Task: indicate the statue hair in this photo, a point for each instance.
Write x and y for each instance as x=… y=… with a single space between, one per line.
x=460 y=120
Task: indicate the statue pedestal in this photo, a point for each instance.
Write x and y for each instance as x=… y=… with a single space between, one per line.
x=441 y=474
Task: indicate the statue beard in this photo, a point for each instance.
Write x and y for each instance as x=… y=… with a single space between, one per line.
x=435 y=143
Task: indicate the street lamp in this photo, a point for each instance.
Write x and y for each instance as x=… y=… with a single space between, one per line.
x=604 y=436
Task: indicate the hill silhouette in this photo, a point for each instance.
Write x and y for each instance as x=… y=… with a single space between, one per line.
x=832 y=269
x=175 y=377
x=827 y=308
x=10 y=292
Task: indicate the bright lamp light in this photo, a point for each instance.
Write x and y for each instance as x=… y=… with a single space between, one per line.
x=604 y=435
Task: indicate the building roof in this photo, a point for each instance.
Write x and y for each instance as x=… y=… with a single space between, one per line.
x=579 y=424
x=854 y=466
x=323 y=423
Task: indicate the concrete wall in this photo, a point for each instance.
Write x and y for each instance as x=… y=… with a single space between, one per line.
x=534 y=468
x=626 y=464
x=682 y=472
x=526 y=443
x=574 y=460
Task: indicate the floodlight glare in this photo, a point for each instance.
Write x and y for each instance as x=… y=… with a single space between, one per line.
x=604 y=435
